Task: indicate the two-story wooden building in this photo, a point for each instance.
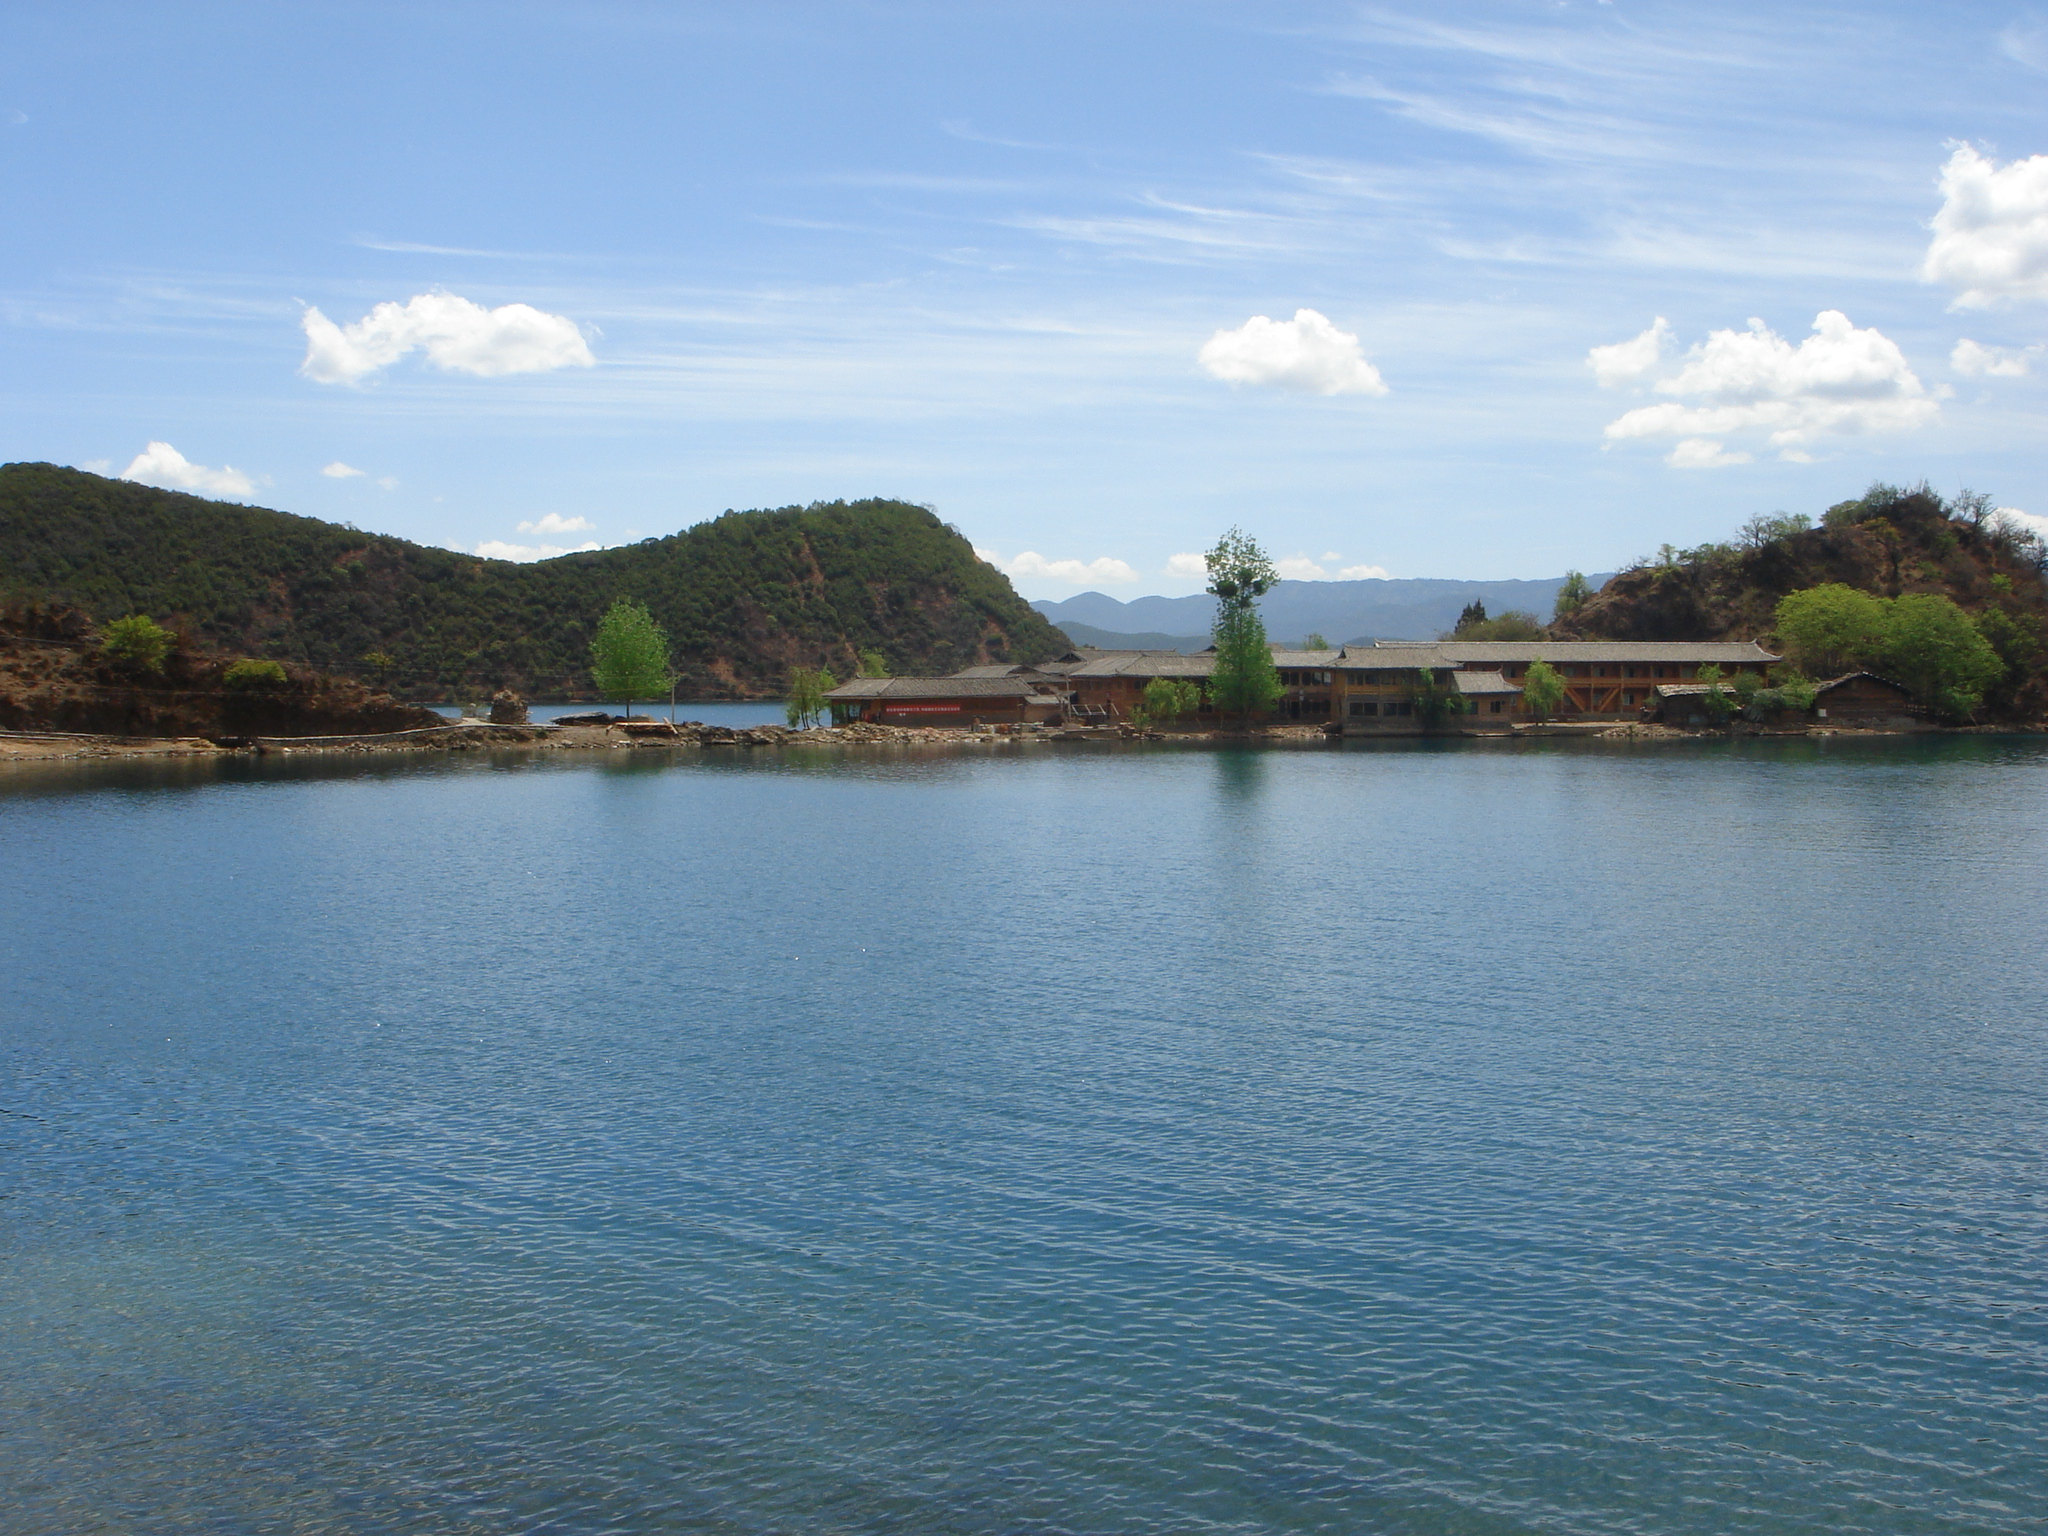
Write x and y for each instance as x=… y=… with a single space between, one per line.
x=1603 y=679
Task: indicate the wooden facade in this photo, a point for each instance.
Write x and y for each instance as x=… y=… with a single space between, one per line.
x=955 y=702
x=1603 y=679
x=1363 y=689
x=1864 y=698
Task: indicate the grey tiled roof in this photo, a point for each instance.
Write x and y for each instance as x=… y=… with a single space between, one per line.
x=1458 y=652
x=1146 y=664
x=1306 y=658
x=933 y=688
x=1483 y=683
x=1850 y=677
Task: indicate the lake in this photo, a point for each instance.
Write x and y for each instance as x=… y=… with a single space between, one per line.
x=1418 y=1138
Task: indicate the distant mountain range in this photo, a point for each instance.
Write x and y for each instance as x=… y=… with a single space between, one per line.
x=1409 y=609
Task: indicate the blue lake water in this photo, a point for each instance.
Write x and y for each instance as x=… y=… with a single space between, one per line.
x=1413 y=1139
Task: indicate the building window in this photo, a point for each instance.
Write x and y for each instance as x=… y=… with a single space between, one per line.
x=1496 y=706
x=1363 y=707
x=1629 y=697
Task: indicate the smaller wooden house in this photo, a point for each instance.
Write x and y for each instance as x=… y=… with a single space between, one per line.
x=1864 y=698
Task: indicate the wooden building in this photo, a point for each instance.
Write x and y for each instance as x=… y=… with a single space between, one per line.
x=962 y=702
x=1864 y=698
x=1603 y=679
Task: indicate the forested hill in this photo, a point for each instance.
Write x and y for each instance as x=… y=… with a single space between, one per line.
x=744 y=597
x=1891 y=543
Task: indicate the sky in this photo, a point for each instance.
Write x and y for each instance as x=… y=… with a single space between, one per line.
x=1447 y=290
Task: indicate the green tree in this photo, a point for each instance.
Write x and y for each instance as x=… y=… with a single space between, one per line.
x=1433 y=698
x=137 y=641
x=1832 y=629
x=1571 y=597
x=1245 y=681
x=1931 y=646
x=1789 y=693
x=806 y=702
x=380 y=663
x=1170 y=698
x=872 y=664
x=1514 y=624
x=1542 y=690
x=250 y=673
x=2018 y=645
x=629 y=656
x=1472 y=613
x=1720 y=704
x=1315 y=642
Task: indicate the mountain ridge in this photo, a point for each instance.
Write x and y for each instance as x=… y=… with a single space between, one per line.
x=744 y=597
x=1384 y=608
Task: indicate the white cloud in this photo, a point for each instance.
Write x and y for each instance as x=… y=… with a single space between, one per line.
x=1364 y=573
x=459 y=336
x=498 y=549
x=162 y=465
x=1838 y=382
x=555 y=524
x=1703 y=453
x=2038 y=526
x=1187 y=565
x=1975 y=360
x=340 y=471
x=1299 y=568
x=1991 y=235
x=1105 y=570
x=1305 y=353
x=1626 y=361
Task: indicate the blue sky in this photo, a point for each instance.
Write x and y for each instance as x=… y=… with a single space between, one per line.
x=642 y=263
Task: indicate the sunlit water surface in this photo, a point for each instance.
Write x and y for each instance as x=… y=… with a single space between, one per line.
x=1060 y=1139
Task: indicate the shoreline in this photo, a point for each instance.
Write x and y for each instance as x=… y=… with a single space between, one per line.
x=27 y=746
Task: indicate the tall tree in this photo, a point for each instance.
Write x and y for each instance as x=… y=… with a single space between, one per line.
x=1542 y=690
x=807 y=689
x=629 y=657
x=1244 y=681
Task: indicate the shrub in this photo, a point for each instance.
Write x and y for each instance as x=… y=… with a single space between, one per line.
x=249 y=673
x=137 y=641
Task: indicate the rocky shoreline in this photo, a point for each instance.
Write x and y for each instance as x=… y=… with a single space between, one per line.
x=644 y=735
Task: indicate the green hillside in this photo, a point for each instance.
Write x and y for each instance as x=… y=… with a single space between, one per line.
x=744 y=597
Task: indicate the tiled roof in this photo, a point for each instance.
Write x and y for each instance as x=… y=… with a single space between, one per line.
x=1305 y=658
x=933 y=688
x=1146 y=664
x=1457 y=652
x=1483 y=683
x=1850 y=677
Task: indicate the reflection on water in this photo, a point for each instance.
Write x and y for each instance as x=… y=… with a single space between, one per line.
x=1400 y=1138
